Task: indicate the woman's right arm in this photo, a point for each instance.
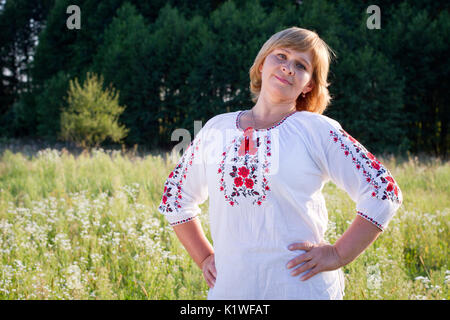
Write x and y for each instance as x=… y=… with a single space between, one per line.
x=193 y=238
x=184 y=190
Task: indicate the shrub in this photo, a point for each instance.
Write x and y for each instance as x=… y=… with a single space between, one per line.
x=92 y=113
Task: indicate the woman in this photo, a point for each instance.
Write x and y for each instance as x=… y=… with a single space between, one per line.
x=263 y=170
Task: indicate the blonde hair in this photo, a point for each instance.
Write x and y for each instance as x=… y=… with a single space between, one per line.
x=301 y=40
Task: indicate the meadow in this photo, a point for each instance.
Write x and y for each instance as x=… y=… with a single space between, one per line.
x=86 y=226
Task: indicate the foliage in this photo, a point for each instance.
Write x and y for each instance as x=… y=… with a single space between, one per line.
x=92 y=113
x=127 y=59
x=49 y=103
x=175 y=62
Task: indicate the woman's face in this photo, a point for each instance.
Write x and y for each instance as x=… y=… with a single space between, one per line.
x=290 y=65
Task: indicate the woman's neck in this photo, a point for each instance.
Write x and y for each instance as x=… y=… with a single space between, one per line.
x=268 y=112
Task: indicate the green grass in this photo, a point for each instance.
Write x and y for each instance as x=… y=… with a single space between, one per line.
x=87 y=227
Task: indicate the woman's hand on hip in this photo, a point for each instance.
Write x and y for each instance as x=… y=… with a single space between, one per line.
x=317 y=258
x=209 y=270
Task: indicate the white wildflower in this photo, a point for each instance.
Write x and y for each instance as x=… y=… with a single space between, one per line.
x=63 y=242
x=73 y=277
x=374 y=279
x=418 y=297
x=95 y=257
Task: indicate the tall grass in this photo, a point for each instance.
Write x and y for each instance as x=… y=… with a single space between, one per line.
x=87 y=227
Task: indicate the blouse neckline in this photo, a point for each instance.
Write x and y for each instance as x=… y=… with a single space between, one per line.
x=262 y=130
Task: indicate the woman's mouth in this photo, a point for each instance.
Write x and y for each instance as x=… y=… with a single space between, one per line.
x=282 y=80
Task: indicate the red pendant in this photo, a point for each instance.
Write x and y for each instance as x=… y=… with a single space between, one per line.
x=248 y=145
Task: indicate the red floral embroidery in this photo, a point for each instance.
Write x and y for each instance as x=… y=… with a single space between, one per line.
x=175 y=181
x=243 y=172
x=249 y=183
x=247 y=171
x=374 y=171
x=238 y=182
x=375 y=165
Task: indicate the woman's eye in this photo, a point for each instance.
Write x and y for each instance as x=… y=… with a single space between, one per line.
x=299 y=65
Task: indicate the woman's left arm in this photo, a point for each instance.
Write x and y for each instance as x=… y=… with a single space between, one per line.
x=347 y=163
x=326 y=257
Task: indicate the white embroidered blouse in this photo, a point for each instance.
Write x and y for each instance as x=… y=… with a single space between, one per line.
x=265 y=192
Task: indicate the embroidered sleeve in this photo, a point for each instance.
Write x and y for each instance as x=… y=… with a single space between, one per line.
x=354 y=169
x=186 y=187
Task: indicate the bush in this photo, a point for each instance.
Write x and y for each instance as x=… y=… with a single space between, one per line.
x=92 y=114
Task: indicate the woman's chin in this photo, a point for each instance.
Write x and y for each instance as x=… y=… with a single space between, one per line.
x=278 y=93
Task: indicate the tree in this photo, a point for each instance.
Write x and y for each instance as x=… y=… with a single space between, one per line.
x=48 y=105
x=21 y=21
x=127 y=58
x=92 y=113
x=369 y=101
x=419 y=46
x=176 y=62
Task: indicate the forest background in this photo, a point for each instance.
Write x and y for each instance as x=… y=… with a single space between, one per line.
x=174 y=62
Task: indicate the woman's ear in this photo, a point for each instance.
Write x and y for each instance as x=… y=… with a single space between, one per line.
x=261 y=65
x=309 y=86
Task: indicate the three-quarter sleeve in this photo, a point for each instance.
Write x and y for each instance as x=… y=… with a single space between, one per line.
x=348 y=164
x=186 y=186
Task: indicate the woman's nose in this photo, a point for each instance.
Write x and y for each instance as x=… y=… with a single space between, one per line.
x=287 y=68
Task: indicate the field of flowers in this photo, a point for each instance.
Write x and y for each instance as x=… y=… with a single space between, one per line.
x=87 y=227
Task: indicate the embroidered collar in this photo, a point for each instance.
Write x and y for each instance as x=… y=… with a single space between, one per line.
x=267 y=129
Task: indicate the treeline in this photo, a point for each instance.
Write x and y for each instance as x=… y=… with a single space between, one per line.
x=174 y=62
